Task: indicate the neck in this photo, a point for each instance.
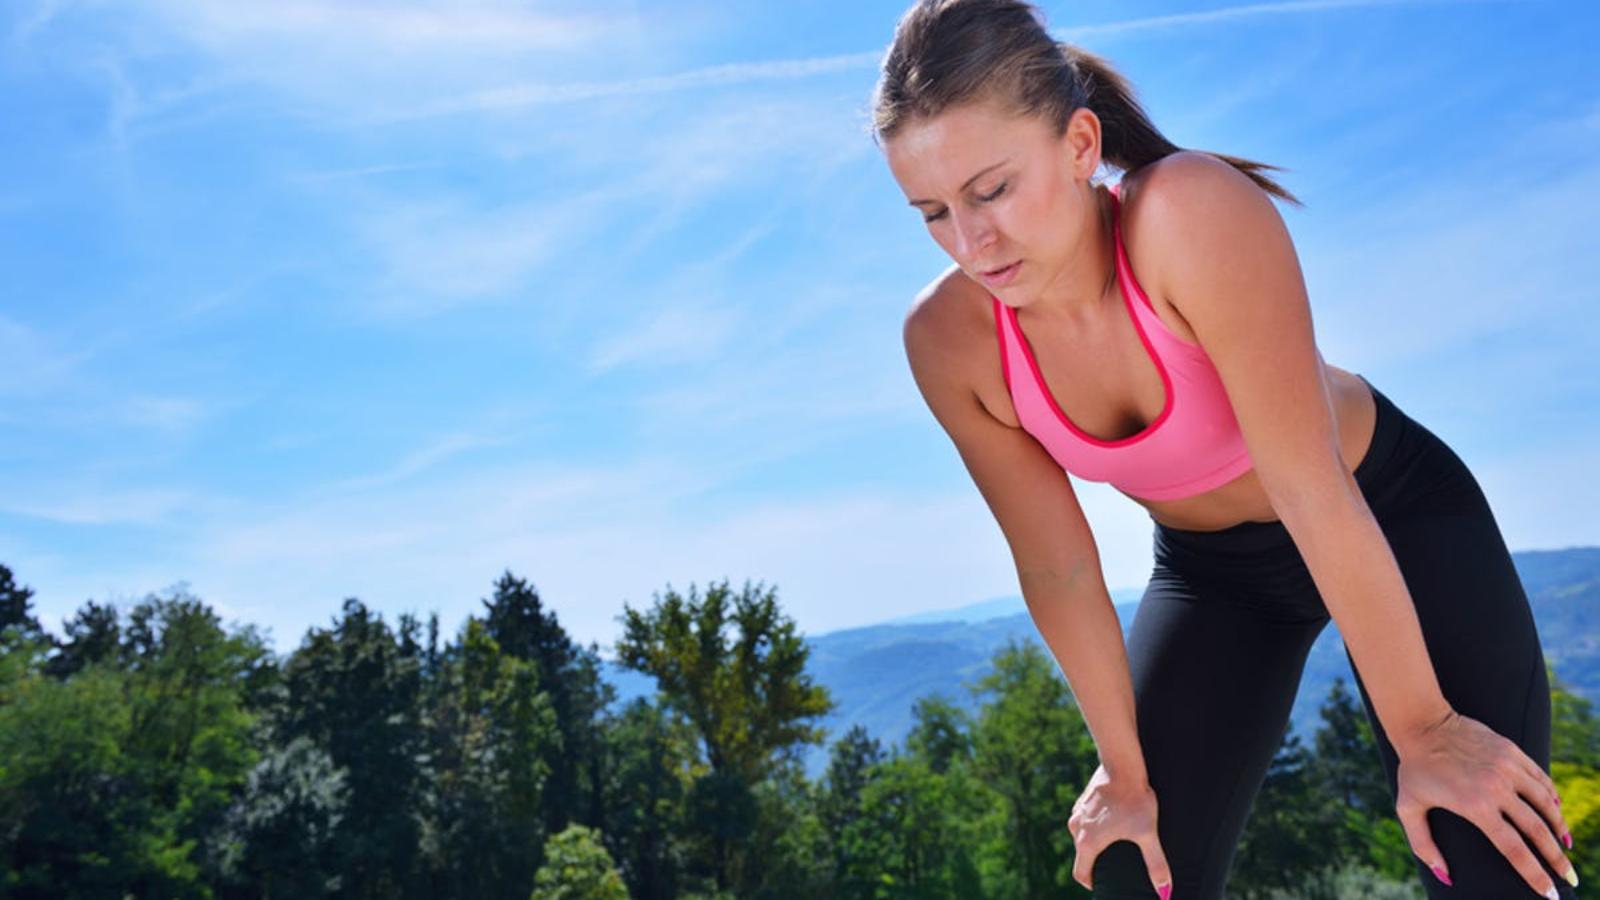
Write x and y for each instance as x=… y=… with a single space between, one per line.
x=1079 y=292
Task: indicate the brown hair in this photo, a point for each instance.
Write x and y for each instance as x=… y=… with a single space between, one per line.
x=947 y=52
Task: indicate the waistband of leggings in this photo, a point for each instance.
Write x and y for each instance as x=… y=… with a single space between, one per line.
x=1255 y=536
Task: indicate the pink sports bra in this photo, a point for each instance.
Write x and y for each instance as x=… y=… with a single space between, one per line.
x=1194 y=445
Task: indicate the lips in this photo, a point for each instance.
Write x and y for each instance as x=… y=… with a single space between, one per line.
x=1001 y=275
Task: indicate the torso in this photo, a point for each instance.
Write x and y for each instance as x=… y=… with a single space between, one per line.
x=1105 y=382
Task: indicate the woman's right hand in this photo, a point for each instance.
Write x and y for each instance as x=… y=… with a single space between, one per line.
x=1109 y=810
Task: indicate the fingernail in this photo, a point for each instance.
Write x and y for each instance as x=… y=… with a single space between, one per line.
x=1558 y=799
x=1165 y=889
x=1551 y=893
x=1566 y=838
x=1572 y=875
x=1442 y=875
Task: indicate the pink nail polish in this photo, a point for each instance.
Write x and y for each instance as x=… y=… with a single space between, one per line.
x=1439 y=873
x=1165 y=890
x=1566 y=838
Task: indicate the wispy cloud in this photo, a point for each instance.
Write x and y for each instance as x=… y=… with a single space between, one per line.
x=34 y=364
x=361 y=171
x=1444 y=265
x=443 y=250
x=540 y=94
x=676 y=334
x=385 y=27
x=520 y=96
x=1250 y=11
x=171 y=414
x=423 y=458
x=86 y=506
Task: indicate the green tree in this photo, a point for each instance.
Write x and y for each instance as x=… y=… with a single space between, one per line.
x=353 y=690
x=578 y=868
x=1575 y=742
x=16 y=605
x=493 y=732
x=941 y=733
x=1034 y=751
x=278 y=838
x=112 y=779
x=70 y=805
x=1286 y=833
x=1347 y=771
x=1574 y=728
x=790 y=839
x=750 y=700
x=93 y=634
x=653 y=753
x=515 y=617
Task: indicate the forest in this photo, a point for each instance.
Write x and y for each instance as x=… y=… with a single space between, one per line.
x=153 y=750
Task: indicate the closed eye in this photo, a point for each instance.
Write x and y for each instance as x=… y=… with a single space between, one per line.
x=982 y=198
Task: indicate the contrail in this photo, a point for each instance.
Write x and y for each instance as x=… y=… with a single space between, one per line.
x=525 y=95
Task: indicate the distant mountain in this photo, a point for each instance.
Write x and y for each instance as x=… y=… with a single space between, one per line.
x=876 y=672
x=998 y=608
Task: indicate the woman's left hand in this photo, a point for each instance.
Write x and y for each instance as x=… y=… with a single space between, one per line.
x=1462 y=765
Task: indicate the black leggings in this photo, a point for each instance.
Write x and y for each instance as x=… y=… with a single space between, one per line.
x=1221 y=637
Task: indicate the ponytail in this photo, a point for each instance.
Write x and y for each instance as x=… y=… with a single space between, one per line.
x=1128 y=139
x=954 y=51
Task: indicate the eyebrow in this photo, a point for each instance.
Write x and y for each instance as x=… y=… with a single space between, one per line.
x=969 y=181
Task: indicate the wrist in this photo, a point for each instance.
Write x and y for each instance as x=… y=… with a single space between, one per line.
x=1410 y=737
x=1125 y=767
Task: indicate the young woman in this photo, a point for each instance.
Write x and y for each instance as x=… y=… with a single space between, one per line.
x=1283 y=490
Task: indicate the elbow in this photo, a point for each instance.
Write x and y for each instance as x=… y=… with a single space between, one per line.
x=1312 y=493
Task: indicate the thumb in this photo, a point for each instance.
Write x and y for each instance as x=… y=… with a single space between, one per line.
x=1155 y=861
x=1420 y=836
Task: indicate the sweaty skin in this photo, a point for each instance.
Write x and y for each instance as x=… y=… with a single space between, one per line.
x=1105 y=381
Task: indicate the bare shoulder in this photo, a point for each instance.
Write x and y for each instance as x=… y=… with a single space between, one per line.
x=946 y=301
x=1188 y=197
x=944 y=336
x=943 y=317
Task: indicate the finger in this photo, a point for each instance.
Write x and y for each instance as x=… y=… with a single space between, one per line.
x=1527 y=819
x=1535 y=771
x=1083 y=861
x=1509 y=841
x=1155 y=860
x=1544 y=801
x=1414 y=821
x=1549 y=803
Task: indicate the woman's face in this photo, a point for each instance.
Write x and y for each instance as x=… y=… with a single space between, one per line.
x=1002 y=194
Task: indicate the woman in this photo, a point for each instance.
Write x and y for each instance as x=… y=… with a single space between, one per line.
x=1283 y=490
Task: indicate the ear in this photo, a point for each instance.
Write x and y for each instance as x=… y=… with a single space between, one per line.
x=1081 y=142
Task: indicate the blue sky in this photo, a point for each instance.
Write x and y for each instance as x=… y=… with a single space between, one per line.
x=327 y=298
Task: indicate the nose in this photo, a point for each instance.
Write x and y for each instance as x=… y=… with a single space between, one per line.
x=974 y=233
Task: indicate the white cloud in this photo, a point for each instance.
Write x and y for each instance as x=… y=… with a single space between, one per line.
x=426 y=457
x=519 y=96
x=676 y=334
x=441 y=252
x=386 y=28
x=1448 y=263
x=162 y=413
x=1248 y=11
x=592 y=538
x=35 y=365
x=97 y=506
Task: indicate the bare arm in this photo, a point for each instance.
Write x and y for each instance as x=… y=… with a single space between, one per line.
x=1228 y=264
x=1058 y=565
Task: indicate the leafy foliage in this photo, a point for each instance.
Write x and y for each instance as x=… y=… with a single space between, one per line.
x=152 y=750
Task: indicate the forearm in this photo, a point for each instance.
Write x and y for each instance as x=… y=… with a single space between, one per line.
x=1356 y=573
x=1080 y=626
